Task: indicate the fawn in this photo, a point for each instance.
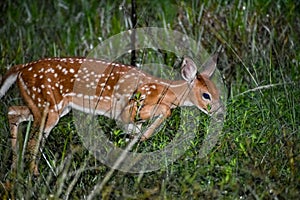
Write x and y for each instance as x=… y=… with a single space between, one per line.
x=52 y=87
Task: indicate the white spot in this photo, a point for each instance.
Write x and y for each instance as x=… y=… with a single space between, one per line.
x=49 y=69
x=127 y=76
x=30 y=68
x=59 y=66
x=153 y=86
x=107 y=97
x=49 y=80
x=86 y=76
x=71 y=70
x=116 y=87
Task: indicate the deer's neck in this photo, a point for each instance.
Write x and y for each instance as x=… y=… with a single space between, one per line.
x=182 y=90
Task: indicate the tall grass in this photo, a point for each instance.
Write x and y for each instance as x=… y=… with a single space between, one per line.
x=257 y=156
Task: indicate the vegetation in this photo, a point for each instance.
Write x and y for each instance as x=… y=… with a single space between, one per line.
x=257 y=155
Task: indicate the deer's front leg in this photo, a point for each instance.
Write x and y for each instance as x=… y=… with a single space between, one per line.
x=161 y=111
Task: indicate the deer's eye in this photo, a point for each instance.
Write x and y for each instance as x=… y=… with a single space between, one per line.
x=206 y=96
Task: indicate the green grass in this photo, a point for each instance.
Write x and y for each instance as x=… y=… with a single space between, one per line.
x=257 y=155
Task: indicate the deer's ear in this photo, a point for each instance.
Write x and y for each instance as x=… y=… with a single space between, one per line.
x=188 y=69
x=210 y=66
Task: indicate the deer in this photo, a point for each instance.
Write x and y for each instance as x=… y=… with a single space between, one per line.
x=51 y=87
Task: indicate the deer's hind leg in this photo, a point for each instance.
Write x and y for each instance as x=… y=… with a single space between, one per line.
x=17 y=115
x=36 y=143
